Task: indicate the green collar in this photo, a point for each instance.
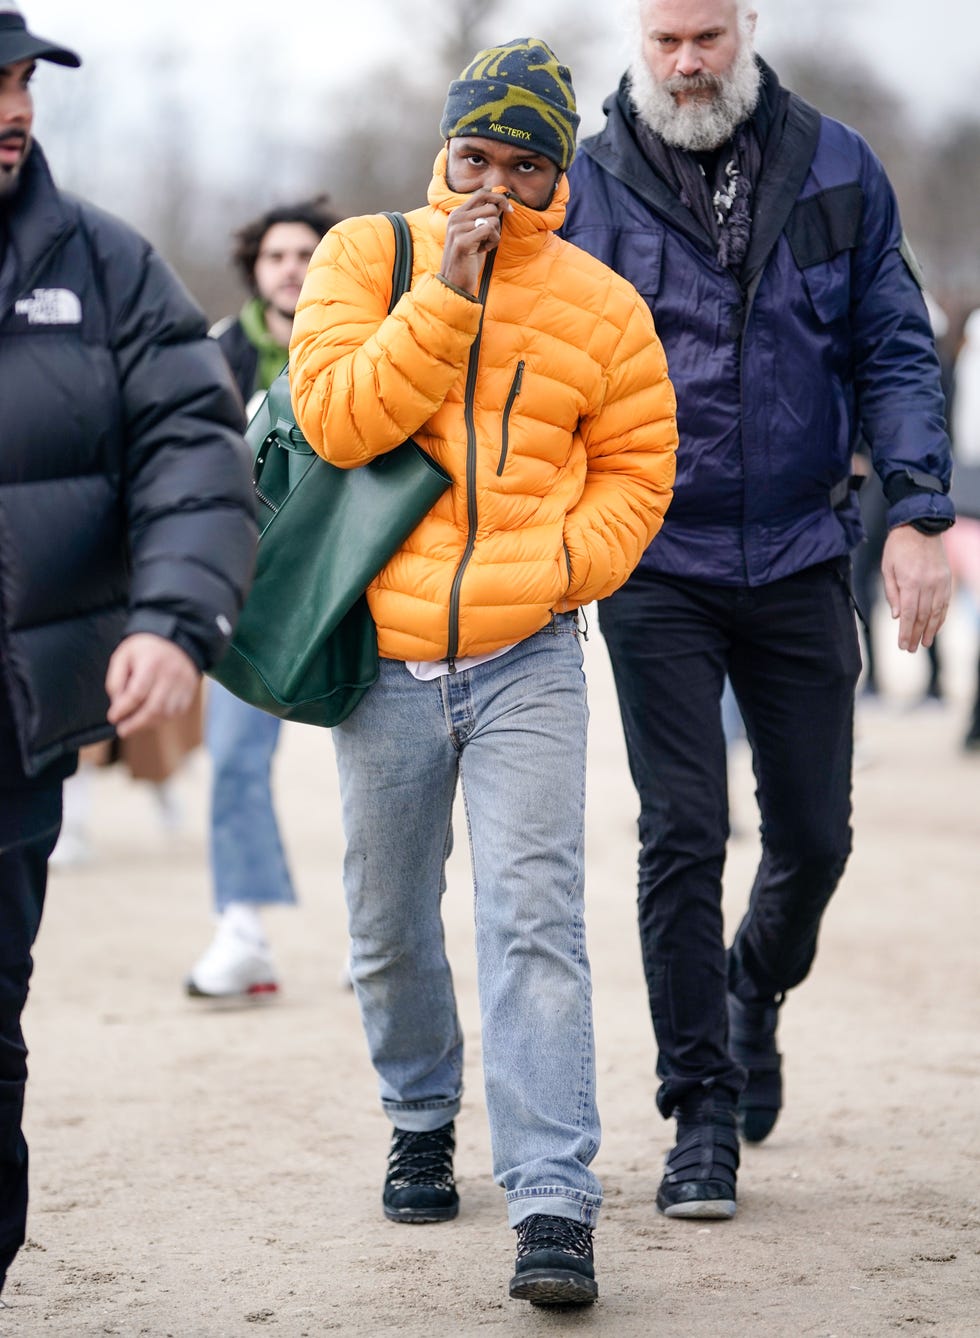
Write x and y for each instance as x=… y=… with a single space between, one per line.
x=272 y=354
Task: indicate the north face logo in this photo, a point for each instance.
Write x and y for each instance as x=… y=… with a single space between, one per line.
x=50 y=306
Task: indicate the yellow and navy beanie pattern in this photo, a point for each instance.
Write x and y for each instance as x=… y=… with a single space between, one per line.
x=519 y=93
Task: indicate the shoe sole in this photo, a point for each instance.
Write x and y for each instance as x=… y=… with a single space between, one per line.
x=546 y=1286
x=701 y=1209
x=417 y=1217
x=253 y=991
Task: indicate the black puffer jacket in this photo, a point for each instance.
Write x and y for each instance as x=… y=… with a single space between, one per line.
x=125 y=503
x=240 y=353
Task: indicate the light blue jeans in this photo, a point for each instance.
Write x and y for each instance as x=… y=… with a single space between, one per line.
x=514 y=731
x=248 y=862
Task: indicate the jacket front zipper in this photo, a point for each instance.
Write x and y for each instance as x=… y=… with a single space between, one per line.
x=515 y=390
x=471 y=512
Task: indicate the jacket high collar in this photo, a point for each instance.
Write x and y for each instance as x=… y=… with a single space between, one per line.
x=37 y=220
x=525 y=231
x=788 y=149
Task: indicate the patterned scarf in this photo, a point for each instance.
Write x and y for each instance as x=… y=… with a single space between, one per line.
x=718 y=188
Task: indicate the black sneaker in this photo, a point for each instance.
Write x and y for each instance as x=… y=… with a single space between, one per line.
x=554 y=1262
x=700 y=1171
x=752 y=1043
x=419 y=1186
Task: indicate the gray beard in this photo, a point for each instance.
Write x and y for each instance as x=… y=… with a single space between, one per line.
x=699 y=125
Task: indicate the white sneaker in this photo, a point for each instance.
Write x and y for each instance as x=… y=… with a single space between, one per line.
x=170 y=809
x=233 y=966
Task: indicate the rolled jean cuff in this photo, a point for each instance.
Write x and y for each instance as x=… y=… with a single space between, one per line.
x=421 y=1117
x=553 y=1201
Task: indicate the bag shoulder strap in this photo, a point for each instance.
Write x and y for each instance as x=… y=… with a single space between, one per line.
x=401 y=282
x=401 y=271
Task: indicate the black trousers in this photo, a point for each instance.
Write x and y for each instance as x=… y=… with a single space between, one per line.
x=29 y=823
x=791 y=651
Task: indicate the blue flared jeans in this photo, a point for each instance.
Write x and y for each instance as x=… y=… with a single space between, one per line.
x=248 y=862
x=513 y=732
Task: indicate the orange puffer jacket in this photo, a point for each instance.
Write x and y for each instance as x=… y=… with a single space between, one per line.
x=547 y=402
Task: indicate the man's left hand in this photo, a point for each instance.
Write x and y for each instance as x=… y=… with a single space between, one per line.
x=149 y=679
x=917 y=584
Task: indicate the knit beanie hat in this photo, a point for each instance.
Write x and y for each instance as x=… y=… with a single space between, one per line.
x=518 y=93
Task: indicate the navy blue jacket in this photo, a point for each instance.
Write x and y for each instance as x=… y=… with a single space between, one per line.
x=125 y=498
x=778 y=369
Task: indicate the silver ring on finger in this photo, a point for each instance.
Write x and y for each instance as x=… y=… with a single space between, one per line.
x=481 y=223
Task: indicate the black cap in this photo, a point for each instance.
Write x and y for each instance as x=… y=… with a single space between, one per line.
x=16 y=43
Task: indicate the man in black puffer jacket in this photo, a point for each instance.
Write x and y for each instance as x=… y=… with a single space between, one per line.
x=126 y=528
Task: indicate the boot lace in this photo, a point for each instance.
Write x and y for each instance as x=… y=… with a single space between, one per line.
x=422 y=1158
x=545 y=1232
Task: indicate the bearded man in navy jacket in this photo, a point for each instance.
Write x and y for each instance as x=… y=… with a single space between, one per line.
x=766 y=239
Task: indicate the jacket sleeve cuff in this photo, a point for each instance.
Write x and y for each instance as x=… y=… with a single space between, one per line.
x=165 y=625
x=921 y=506
x=470 y=297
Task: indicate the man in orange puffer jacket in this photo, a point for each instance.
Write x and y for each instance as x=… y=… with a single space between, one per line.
x=532 y=373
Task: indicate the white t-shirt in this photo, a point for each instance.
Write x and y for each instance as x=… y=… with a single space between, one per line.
x=424 y=670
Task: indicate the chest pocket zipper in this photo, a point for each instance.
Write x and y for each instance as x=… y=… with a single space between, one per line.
x=515 y=390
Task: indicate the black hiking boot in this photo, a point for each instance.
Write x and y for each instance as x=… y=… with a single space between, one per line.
x=554 y=1262
x=419 y=1186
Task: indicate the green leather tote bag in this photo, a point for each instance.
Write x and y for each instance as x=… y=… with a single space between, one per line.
x=305 y=647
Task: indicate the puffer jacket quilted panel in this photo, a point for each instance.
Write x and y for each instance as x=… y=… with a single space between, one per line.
x=125 y=499
x=548 y=403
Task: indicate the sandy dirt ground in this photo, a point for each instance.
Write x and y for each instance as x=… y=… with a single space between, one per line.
x=211 y=1171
